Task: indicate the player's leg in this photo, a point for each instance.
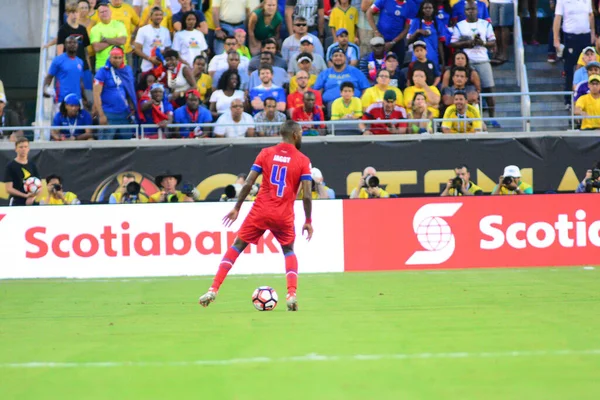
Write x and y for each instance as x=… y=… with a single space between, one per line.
x=291 y=276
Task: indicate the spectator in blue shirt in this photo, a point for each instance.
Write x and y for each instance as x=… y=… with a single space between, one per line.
x=71 y=115
x=266 y=89
x=186 y=6
x=458 y=11
x=351 y=50
x=330 y=80
x=68 y=71
x=114 y=96
x=193 y=113
x=429 y=30
x=394 y=21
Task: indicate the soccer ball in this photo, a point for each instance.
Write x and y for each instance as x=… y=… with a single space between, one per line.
x=32 y=185
x=264 y=298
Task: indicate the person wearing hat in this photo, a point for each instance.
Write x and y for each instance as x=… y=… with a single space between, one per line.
x=329 y=81
x=319 y=189
x=375 y=94
x=72 y=115
x=343 y=15
x=397 y=76
x=351 y=50
x=422 y=61
x=157 y=110
x=167 y=183
x=589 y=105
x=592 y=68
x=317 y=63
x=371 y=63
x=291 y=45
x=510 y=183
x=386 y=110
x=192 y=113
x=8 y=118
x=581 y=74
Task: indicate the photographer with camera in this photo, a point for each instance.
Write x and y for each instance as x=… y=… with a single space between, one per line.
x=591 y=182
x=368 y=186
x=167 y=182
x=232 y=191
x=319 y=190
x=129 y=192
x=461 y=185
x=56 y=195
x=510 y=183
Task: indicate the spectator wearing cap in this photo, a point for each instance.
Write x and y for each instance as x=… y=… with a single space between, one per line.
x=167 y=182
x=593 y=68
x=351 y=50
x=291 y=45
x=280 y=76
x=581 y=74
x=419 y=84
x=220 y=63
x=385 y=110
x=458 y=111
x=192 y=113
x=309 y=112
x=71 y=115
x=151 y=38
x=269 y=45
x=263 y=23
x=393 y=24
x=429 y=30
x=8 y=118
x=375 y=94
x=269 y=115
x=235 y=123
x=307 y=50
x=371 y=63
x=106 y=34
x=458 y=77
x=266 y=89
x=397 y=77
x=114 y=95
x=581 y=62
x=589 y=105
x=233 y=62
x=422 y=62
x=347 y=108
x=475 y=36
x=179 y=18
x=67 y=69
x=302 y=83
x=343 y=15
x=156 y=110
x=330 y=80
x=511 y=186
x=311 y=10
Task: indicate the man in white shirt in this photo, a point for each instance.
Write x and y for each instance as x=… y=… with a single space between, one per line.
x=235 y=123
x=577 y=20
x=150 y=37
x=475 y=36
x=219 y=62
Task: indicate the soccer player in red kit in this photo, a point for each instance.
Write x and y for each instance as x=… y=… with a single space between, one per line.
x=283 y=168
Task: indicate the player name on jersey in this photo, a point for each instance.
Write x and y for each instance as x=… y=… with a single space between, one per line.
x=281 y=159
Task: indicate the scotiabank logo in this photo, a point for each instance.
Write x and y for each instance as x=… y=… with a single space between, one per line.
x=434 y=233
x=114 y=242
x=540 y=234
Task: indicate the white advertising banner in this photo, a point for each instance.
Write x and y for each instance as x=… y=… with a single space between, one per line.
x=154 y=240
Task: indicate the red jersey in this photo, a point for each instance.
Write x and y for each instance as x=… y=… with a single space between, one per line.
x=282 y=167
x=376 y=111
x=296 y=99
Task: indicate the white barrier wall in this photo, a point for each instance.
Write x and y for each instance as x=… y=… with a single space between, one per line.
x=153 y=240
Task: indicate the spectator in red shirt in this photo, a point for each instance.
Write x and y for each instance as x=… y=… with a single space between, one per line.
x=385 y=110
x=309 y=112
x=296 y=99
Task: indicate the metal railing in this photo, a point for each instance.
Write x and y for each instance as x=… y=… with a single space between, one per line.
x=43 y=105
x=521 y=68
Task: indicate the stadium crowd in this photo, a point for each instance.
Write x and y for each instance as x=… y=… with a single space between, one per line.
x=239 y=64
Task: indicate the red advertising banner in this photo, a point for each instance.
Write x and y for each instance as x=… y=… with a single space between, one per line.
x=472 y=232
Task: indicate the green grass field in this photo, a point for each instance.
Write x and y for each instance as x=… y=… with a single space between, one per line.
x=402 y=335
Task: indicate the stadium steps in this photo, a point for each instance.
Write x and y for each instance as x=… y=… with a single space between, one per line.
x=545 y=77
x=508 y=106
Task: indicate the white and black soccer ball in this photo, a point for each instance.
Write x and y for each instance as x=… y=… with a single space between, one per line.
x=32 y=185
x=264 y=298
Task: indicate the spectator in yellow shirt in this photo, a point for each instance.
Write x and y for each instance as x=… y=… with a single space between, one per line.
x=419 y=84
x=344 y=16
x=589 y=105
x=167 y=182
x=167 y=21
x=346 y=108
x=461 y=109
x=375 y=94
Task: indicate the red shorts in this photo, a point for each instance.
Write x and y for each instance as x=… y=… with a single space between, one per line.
x=254 y=227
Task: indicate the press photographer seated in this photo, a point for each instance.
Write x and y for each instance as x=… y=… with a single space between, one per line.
x=368 y=186
x=167 y=182
x=129 y=192
x=591 y=182
x=510 y=183
x=461 y=185
x=319 y=189
x=56 y=195
x=232 y=192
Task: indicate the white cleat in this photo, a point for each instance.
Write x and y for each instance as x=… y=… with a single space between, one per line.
x=207 y=298
x=292 y=303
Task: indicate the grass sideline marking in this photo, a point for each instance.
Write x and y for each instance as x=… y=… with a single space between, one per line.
x=313 y=357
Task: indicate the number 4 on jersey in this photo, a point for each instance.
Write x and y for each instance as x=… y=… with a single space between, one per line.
x=278 y=178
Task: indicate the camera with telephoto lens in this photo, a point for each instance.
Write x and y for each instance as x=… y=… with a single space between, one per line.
x=507 y=180
x=171 y=198
x=232 y=192
x=371 y=181
x=57 y=187
x=132 y=193
x=188 y=189
x=457 y=182
x=593 y=182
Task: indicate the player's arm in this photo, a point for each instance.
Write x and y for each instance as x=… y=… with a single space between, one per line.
x=307 y=203
x=245 y=191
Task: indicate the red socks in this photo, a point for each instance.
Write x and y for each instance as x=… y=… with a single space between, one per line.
x=291 y=272
x=226 y=263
